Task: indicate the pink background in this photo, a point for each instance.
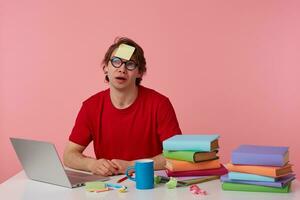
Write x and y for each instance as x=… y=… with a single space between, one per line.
x=229 y=67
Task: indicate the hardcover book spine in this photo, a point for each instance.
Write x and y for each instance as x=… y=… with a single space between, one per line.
x=185 y=156
x=260 y=170
x=254 y=188
x=184 y=146
x=257 y=159
x=249 y=177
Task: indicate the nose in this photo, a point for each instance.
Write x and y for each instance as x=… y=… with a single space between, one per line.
x=122 y=68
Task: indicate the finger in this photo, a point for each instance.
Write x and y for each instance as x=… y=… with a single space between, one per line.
x=103 y=173
x=115 y=167
x=115 y=163
x=106 y=168
x=102 y=167
x=99 y=171
x=110 y=168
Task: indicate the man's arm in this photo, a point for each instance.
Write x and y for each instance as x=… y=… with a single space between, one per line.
x=74 y=158
x=159 y=162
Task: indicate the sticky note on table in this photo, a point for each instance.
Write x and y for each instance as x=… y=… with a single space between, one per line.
x=125 y=51
x=94 y=185
x=172 y=183
x=157 y=179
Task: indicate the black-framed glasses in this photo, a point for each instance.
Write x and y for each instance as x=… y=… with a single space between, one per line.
x=118 y=62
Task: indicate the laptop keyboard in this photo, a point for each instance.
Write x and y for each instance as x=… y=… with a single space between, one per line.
x=78 y=178
x=77 y=174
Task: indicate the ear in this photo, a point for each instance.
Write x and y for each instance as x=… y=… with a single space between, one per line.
x=105 y=69
x=140 y=74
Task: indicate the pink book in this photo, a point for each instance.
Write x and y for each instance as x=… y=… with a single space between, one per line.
x=205 y=172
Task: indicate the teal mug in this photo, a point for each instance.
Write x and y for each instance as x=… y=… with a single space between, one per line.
x=144 y=174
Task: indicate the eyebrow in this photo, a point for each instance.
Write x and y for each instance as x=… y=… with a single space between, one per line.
x=123 y=59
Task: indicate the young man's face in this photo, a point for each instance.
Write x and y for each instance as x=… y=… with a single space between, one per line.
x=121 y=76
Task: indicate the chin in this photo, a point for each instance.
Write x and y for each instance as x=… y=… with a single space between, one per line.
x=120 y=86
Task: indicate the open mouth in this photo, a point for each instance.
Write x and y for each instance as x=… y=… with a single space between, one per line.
x=121 y=78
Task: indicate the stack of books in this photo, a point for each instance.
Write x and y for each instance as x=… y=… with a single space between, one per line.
x=193 y=156
x=259 y=169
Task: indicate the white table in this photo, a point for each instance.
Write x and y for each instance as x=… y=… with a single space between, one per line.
x=20 y=187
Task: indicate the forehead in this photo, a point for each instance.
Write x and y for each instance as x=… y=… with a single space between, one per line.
x=114 y=52
x=124 y=51
x=133 y=58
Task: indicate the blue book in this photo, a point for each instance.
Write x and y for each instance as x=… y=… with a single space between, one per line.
x=283 y=181
x=249 y=177
x=260 y=155
x=201 y=143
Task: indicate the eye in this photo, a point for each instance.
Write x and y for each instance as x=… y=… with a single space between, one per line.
x=116 y=61
x=130 y=65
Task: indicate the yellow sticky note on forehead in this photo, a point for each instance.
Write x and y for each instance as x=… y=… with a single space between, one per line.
x=125 y=51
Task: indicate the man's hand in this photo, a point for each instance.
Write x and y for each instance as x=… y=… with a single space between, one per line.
x=103 y=167
x=122 y=164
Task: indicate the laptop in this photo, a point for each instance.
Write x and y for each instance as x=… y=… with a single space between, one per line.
x=41 y=162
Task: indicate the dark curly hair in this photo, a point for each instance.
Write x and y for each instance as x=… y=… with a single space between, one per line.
x=138 y=55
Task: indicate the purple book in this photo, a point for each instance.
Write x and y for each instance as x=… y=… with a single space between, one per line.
x=283 y=181
x=260 y=155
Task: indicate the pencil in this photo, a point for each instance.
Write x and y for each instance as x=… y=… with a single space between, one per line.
x=122 y=179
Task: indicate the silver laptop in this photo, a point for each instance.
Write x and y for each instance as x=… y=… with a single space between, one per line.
x=41 y=162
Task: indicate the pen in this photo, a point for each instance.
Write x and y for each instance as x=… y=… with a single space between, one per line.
x=116 y=186
x=124 y=178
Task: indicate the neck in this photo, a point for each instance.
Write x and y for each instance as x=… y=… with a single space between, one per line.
x=123 y=98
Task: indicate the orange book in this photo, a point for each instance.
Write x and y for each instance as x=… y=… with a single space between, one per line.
x=261 y=170
x=179 y=165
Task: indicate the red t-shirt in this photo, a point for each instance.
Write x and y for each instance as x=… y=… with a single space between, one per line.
x=132 y=133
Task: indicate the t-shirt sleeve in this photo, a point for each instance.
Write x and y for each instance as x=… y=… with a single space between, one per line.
x=81 y=133
x=167 y=122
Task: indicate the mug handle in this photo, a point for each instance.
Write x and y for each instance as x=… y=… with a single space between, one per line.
x=127 y=173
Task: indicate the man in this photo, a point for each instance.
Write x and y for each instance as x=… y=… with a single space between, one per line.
x=125 y=122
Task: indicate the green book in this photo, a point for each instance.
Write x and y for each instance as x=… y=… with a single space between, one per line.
x=191 y=156
x=254 y=188
x=181 y=183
